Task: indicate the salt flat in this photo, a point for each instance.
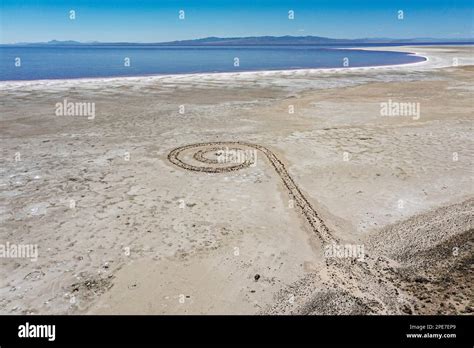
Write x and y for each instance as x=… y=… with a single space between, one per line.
x=121 y=229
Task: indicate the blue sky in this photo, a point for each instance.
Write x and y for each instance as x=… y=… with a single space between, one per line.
x=157 y=21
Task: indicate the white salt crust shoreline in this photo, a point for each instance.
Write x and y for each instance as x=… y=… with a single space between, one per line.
x=434 y=58
x=219 y=75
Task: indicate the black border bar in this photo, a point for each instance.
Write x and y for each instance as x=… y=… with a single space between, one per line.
x=224 y=330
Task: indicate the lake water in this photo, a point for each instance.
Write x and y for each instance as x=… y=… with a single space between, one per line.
x=61 y=62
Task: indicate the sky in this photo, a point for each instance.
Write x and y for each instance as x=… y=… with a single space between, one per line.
x=158 y=20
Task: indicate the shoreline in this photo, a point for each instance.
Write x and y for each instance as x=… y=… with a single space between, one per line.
x=284 y=72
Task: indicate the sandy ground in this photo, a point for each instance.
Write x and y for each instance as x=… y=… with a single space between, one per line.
x=121 y=229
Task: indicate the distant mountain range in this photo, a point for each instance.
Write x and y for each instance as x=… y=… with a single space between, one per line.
x=259 y=40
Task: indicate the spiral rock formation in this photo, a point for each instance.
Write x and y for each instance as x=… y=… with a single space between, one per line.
x=222 y=157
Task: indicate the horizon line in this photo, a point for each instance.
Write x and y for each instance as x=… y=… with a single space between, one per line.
x=242 y=37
